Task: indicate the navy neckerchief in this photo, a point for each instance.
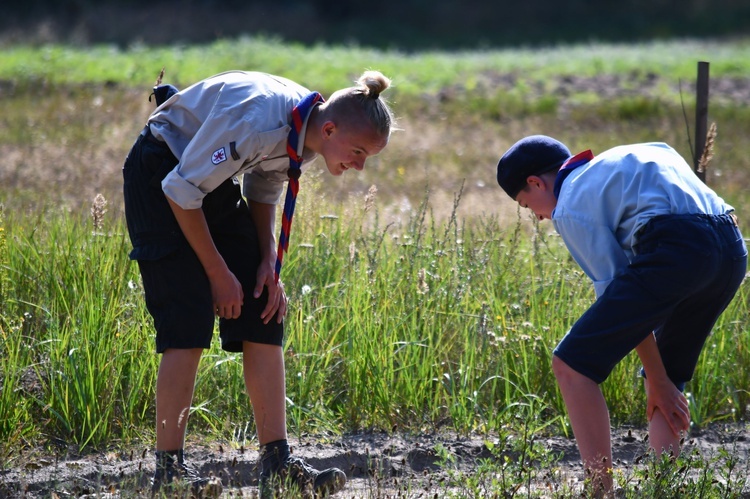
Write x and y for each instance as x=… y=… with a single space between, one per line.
x=567 y=168
x=300 y=112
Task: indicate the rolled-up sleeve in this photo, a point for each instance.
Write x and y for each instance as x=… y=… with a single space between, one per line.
x=182 y=191
x=209 y=159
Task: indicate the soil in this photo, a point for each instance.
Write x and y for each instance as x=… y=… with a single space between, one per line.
x=377 y=464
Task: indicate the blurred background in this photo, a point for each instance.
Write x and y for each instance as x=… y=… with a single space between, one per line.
x=402 y=24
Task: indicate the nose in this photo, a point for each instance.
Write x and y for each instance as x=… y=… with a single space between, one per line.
x=358 y=165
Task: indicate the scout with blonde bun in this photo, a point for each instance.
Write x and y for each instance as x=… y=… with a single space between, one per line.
x=206 y=249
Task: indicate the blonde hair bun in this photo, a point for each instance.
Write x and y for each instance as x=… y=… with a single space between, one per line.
x=373 y=83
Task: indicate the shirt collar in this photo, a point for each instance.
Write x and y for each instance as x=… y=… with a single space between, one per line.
x=303 y=133
x=567 y=168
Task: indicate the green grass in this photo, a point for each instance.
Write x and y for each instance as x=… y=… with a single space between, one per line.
x=333 y=67
x=421 y=324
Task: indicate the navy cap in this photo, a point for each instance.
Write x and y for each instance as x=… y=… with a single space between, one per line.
x=532 y=155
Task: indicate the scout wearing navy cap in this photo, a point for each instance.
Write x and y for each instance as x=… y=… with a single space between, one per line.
x=665 y=257
x=531 y=155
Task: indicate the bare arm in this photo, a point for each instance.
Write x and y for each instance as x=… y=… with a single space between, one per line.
x=226 y=290
x=661 y=393
x=264 y=216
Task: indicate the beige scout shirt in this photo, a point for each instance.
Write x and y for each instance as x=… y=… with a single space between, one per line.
x=232 y=123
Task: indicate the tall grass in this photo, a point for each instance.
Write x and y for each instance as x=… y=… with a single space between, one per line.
x=72 y=308
x=423 y=325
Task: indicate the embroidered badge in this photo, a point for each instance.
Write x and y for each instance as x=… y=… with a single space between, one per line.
x=219 y=156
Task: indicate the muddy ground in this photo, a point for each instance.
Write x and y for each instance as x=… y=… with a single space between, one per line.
x=377 y=464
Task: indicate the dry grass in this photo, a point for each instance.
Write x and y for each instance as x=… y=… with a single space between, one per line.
x=64 y=146
x=67 y=147
x=708 y=150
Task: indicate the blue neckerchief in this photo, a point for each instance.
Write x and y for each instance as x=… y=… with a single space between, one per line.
x=567 y=168
x=299 y=114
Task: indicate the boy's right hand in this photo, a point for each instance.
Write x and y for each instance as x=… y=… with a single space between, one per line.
x=227 y=294
x=226 y=290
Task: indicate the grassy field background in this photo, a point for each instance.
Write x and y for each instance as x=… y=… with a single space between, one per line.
x=69 y=114
x=422 y=298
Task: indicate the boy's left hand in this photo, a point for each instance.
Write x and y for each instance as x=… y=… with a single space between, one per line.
x=277 y=300
x=672 y=403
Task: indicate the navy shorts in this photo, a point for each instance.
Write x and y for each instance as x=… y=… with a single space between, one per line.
x=686 y=270
x=178 y=294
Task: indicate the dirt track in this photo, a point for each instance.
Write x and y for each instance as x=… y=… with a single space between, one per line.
x=378 y=465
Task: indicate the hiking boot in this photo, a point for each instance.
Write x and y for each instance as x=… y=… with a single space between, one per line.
x=173 y=473
x=295 y=474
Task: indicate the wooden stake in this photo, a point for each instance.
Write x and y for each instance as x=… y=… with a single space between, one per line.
x=701 y=117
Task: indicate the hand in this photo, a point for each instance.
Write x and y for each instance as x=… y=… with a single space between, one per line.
x=227 y=294
x=226 y=290
x=277 y=300
x=665 y=396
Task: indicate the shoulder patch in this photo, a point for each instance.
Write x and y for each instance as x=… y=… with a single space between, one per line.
x=219 y=156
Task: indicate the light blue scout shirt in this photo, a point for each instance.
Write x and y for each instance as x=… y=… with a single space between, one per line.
x=604 y=203
x=232 y=123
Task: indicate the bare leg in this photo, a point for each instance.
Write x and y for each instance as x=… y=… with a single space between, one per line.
x=660 y=435
x=174 y=394
x=266 y=385
x=589 y=418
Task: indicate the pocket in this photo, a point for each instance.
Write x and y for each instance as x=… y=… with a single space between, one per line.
x=689 y=237
x=734 y=242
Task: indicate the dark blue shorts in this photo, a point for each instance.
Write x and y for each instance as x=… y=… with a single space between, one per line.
x=686 y=270
x=178 y=294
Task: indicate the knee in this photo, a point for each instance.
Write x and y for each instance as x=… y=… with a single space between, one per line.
x=563 y=372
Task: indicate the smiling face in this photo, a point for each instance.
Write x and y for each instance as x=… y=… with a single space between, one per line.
x=538 y=196
x=345 y=148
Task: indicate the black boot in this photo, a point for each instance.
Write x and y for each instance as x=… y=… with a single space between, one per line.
x=280 y=472
x=173 y=472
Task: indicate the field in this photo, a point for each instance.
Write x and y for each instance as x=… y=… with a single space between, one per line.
x=424 y=304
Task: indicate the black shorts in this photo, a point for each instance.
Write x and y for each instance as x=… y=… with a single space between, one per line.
x=178 y=294
x=686 y=270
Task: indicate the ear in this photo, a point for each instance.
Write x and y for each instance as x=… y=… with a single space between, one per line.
x=328 y=129
x=535 y=181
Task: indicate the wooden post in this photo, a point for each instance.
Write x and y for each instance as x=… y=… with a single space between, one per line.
x=701 y=117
